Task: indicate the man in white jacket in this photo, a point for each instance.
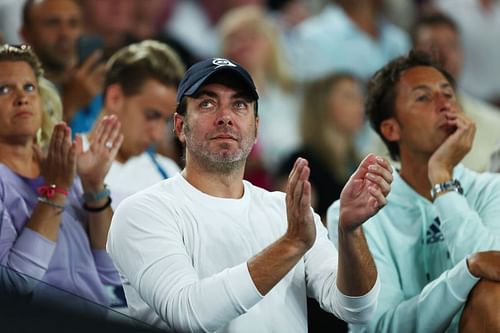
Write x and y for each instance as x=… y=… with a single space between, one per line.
x=432 y=242
x=206 y=251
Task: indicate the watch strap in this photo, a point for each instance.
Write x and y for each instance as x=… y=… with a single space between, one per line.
x=452 y=185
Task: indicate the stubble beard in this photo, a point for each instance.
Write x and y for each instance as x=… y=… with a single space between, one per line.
x=220 y=161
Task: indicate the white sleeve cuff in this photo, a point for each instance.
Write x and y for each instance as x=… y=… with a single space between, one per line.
x=242 y=288
x=358 y=309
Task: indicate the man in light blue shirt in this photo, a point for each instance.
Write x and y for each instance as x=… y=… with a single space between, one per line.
x=433 y=241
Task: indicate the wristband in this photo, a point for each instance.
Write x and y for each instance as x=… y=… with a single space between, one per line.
x=49 y=191
x=46 y=201
x=97 y=209
x=96 y=196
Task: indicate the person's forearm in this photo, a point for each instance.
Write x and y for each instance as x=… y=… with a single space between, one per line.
x=98 y=228
x=462 y=226
x=46 y=217
x=269 y=266
x=100 y=214
x=357 y=272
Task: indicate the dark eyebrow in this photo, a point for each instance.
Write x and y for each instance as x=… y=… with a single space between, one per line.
x=425 y=87
x=243 y=95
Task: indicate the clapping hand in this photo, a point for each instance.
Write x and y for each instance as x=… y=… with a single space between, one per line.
x=94 y=163
x=301 y=228
x=365 y=192
x=58 y=163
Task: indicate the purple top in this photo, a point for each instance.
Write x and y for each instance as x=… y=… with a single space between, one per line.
x=69 y=264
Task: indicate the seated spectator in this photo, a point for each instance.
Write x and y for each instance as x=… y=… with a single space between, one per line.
x=50 y=228
x=207 y=251
x=111 y=20
x=53 y=28
x=140 y=87
x=438 y=35
x=436 y=242
x=332 y=116
x=479 y=23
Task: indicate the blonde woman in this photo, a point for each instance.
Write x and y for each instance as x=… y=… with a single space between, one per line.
x=54 y=209
x=332 y=117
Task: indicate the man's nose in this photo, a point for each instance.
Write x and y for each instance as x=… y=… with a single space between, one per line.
x=224 y=116
x=444 y=103
x=158 y=132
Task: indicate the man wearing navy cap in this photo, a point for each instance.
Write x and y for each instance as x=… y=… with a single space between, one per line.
x=206 y=251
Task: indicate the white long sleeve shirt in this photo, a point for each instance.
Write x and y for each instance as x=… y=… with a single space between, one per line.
x=183 y=258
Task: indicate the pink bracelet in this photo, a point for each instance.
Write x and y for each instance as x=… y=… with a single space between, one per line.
x=49 y=191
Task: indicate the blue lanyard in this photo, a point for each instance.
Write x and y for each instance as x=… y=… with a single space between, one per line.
x=159 y=168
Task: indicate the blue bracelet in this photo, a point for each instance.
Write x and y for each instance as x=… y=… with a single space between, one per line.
x=46 y=201
x=96 y=196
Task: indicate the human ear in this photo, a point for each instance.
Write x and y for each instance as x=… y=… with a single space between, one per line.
x=178 y=127
x=113 y=101
x=256 y=129
x=390 y=129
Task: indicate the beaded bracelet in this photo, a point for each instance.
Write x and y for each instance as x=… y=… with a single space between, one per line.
x=96 y=196
x=46 y=201
x=49 y=191
x=97 y=209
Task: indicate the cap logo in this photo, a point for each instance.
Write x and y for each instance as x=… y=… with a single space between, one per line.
x=220 y=62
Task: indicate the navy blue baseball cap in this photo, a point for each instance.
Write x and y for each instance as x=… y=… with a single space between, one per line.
x=200 y=72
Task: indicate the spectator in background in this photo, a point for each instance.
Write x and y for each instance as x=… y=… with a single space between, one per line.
x=438 y=35
x=479 y=24
x=436 y=242
x=332 y=115
x=140 y=89
x=249 y=37
x=50 y=228
x=53 y=28
x=150 y=16
x=111 y=20
x=149 y=19
x=348 y=35
x=201 y=39
x=287 y=14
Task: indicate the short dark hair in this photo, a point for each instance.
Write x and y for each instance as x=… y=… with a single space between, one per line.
x=134 y=64
x=381 y=95
x=22 y=53
x=26 y=11
x=432 y=20
x=28 y=4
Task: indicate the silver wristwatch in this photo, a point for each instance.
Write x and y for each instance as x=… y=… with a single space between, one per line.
x=452 y=185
